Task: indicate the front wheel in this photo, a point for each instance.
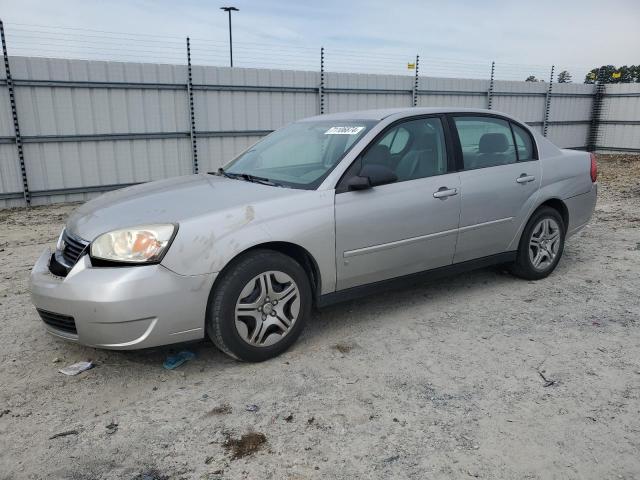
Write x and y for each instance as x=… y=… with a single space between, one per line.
x=541 y=245
x=259 y=306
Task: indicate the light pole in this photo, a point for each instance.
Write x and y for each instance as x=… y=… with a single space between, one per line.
x=229 y=10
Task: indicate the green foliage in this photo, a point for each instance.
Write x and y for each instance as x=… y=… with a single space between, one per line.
x=564 y=77
x=613 y=74
x=531 y=78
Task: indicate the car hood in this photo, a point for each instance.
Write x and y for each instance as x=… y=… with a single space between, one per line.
x=167 y=201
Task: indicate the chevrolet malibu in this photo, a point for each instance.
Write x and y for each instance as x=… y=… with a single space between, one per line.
x=325 y=209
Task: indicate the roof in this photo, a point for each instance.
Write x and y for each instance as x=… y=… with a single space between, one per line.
x=379 y=114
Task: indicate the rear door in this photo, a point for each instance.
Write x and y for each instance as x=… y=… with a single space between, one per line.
x=499 y=178
x=400 y=228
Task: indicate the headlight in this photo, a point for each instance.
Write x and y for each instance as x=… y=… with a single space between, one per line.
x=143 y=244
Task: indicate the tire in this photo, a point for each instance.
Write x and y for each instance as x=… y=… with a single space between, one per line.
x=535 y=263
x=271 y=295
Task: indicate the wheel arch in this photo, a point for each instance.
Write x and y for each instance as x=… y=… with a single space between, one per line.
x=553 y=202
x=558 y=205
x=298 y=253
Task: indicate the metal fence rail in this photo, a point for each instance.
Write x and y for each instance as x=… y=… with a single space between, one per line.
x=93 y=126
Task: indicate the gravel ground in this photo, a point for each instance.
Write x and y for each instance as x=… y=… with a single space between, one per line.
x=480 y=375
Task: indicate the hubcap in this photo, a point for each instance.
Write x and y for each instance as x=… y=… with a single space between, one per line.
x=267 y=308
x=544 y=244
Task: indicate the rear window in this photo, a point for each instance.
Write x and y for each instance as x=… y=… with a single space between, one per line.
x=485 y=141
x=524 y=143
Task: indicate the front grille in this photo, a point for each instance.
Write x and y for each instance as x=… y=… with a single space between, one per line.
x=72 y=249
x=58 y=321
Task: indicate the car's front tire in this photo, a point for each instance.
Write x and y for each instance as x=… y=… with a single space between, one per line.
x=541 y=245
x=259 y=306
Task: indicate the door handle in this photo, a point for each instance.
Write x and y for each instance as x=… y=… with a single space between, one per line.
x=444 y=192
x=524 y=178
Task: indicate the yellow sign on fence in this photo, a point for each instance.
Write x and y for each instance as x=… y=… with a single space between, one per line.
x=411 y=66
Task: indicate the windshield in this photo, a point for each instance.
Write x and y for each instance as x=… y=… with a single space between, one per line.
x=300 y=155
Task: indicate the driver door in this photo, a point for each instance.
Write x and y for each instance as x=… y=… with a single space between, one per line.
x=403 y=227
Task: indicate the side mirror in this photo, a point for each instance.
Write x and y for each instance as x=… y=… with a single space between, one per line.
x=372 y=176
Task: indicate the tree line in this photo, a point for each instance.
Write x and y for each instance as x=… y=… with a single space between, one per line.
x=603 y=74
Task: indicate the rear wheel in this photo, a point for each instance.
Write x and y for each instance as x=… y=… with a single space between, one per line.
x=259 y=307
x=541 y=245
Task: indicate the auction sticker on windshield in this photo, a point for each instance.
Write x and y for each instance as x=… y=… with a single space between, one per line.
x=344 y=130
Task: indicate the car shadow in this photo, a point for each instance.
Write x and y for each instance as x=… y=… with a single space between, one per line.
x=362 y=310
x=420 y=292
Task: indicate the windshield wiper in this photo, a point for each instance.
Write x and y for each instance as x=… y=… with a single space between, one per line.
x=248 y=177
x=261 y=180
x=221 y=172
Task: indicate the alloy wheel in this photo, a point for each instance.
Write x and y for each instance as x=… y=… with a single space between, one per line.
x=544 y=243
x=267 y=308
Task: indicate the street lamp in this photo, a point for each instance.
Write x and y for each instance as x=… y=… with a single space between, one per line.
x=229 y=10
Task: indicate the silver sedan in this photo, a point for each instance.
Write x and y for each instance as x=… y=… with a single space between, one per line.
x=325 y=209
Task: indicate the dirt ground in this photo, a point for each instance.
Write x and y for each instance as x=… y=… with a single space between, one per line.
x=481 y=375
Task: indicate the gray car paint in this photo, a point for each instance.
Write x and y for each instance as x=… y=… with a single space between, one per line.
x=354 y=237
x=493 y=207
x=395 y=229
x=123 y=308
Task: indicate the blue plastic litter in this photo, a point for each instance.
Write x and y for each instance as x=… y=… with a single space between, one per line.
x=174 y=361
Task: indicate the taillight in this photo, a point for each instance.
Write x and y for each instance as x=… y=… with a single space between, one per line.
x=594 y=168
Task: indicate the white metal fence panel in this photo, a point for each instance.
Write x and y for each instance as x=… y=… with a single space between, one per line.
x=213 y=152
x=242 y=99
x=464 y=93
x=568 y=136
x=570 y=112
x=524 y=100
x=620 y=137
x=620 y=118
x=357 y=91
x=622 y=102
x=10 y=178
x=91 y=126
x=571 y=102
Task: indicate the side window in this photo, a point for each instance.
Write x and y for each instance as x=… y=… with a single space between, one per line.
x=485 y=142
x=396 y=140
x=414 y=149
x=524 y=143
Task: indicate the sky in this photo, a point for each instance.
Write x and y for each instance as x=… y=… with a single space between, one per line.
x=458 y=38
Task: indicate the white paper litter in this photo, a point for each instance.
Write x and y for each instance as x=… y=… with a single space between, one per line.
x=76 y=368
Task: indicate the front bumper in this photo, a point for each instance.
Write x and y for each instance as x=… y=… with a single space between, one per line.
x=123 y=308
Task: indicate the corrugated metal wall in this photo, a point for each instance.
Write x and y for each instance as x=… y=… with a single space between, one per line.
x=10 y=179
x=620 y=118
x=235 y=107
x=90 y=126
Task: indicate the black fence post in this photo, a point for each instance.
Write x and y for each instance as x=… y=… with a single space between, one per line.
x=14 y=113
x=192 y=114
x=416 y=82
x=547 y=104
x=321 y=87
x=596 y=112
x=490 y=92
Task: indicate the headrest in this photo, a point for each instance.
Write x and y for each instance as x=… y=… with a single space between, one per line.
x=493 y=143
x=378 y=154
x=426 y=142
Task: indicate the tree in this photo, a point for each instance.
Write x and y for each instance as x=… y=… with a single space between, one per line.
x=613 y=74
x=625 y=74
x=564 y=77
x=531 y=78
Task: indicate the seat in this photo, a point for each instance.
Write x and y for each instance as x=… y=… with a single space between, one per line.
x=419 y=162
x=378 y=155
x=491 y=150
